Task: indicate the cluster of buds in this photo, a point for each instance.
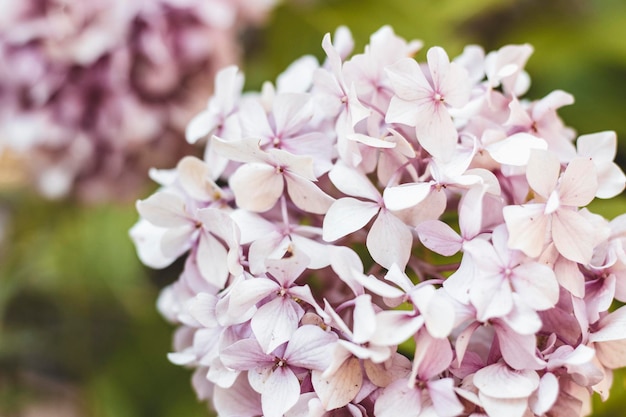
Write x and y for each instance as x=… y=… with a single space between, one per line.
x=378 y=236
x=93 y=93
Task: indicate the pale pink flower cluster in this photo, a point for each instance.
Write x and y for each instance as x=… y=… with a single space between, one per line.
x=93 y=93
x=380 y=236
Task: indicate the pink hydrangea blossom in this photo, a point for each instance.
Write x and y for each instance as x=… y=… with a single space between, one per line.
x=93 y=93
x=376 y=235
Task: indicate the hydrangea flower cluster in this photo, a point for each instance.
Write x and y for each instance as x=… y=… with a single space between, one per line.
x=95 y=92
x=378 y=236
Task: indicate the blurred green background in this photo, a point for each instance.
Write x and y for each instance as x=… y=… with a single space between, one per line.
x=79 y=331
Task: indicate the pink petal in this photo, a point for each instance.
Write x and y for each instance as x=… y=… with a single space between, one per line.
x=275 y=322
x=240 y=150
x=517 y=350
x=347 y=215
x=579 y=183
x=195 y=177
x=280 y=392
x=351 y=181
x=245 y=294
x=364 y=316
x=402 y=112
x=177 y=241
x=238 y=400
x=389 y=240
x=432 y=356
x=500 y=381
x=338 y=389
x=164 y=209
x=509 y=407
x=395 y=326
x=399 y=399
x=516 y=149
x=306 y=195
x=611 y=327
x=245 y=354
x=408 y=80
x=212 y=260
x=311 y=347
x=543 y=171
x=406 y=195
x=291 y=111
x=546 y=395
x=536 y=285
x=573 y=235
x=445 y=401
x=527 y=228
x=147 y=238
x=435 y=130
x=256 y=186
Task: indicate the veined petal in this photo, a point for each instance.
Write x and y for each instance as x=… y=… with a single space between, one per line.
x=338 y=389
x=515 y=150
x=435 y=130
x=347 y=215
x=445 y=401
x=406 y=195
x=311 y=347
x=256 y=186
x=364 y=316
x=389 y=241
x=401 y=111
x=275 y=322
x=195 y=177
x=212 y=258
x=238 y=400
x=353 y=182
x=280 y=393
x=201 y=125
x=500 y=381
x=574 y=236
x=543 y=171
x=399 y=399
x=246 y=293
x=147 y=238
x=579 y=183
x=536 y=285
x=611 y=327
x=164 y=209
x=527 y=227
x=244 y=355
x=239 y=150
x=395 y=326
x=408 y=80
x=306 y=195
x=291 y=111
x=439 y=237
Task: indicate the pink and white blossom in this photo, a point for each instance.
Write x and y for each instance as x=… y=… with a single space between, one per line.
x=375 y=235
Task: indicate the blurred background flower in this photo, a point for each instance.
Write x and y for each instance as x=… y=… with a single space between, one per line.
x=95 y=93
x=79 y=331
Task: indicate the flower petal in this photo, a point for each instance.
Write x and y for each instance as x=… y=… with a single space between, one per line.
x=389 y=241
x=256 y=186
x=347 y=215
x=338 y=389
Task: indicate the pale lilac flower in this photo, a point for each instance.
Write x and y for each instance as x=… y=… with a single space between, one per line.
x=305 y=292
x=423 y=103
x=275 y=375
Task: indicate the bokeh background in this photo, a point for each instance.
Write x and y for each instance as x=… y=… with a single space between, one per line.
x=79 y=331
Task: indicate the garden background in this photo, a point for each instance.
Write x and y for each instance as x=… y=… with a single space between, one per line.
x=79 y=331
